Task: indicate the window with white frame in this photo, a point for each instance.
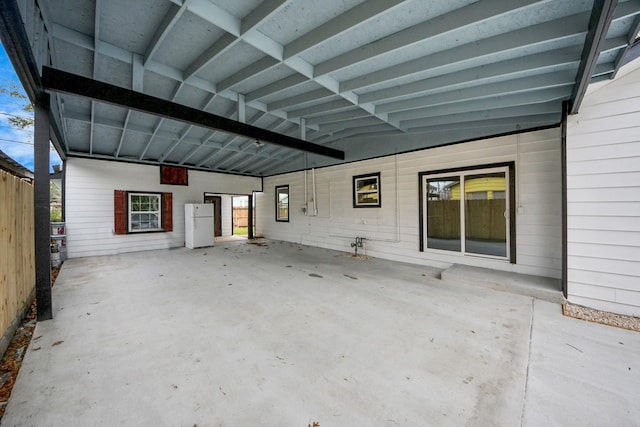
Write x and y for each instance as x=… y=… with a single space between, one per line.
x=366 y=191
x=144 y=212
x=282 y=203
x=468 y=211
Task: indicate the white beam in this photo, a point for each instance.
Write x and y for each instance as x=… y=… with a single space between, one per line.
x=167 y=24
x=503 y=101
x=137 y=73
x=264 y=11
x=568 y=29
x=354 y=113
x=252 y=70
x=566 y=58
x=220 y=46
x=453 y=21
x=492 y=123
x=276 y=87
x=320 y=108
x=506 y=87
x=357 y=15
x=303 y=98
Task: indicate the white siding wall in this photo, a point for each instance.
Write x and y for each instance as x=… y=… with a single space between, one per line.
x=89 y=204
x=392 y=231
x=227 y=220
x=603 y=198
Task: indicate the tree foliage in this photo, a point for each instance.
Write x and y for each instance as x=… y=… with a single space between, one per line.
x=19 y=121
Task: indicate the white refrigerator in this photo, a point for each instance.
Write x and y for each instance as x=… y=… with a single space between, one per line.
x=198 y=225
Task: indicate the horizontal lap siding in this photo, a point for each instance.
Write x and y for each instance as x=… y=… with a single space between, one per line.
x=338 y=223
x=603 y=198
x=90 y=186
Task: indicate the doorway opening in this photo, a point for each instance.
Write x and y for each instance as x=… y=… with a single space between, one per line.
x=231 y=216
x=240 y=215
x=217 y=213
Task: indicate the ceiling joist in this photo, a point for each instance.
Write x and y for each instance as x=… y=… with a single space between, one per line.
x=63 y=82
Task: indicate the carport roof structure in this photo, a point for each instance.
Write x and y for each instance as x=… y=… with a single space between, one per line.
x=263 y=87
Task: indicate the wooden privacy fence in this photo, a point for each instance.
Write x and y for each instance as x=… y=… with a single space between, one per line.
x=17 y=257
x=484 y=219
x=240 y=217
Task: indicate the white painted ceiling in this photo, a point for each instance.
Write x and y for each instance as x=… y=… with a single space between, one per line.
x=370 y=77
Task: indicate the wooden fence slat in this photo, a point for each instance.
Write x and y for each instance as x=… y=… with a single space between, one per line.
x=17 y=258
x=484 y=219
x=240 y=217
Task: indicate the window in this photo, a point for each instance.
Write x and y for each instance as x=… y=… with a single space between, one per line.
x=469 y=211
x=366 y=191
x=144 y=212
x=137 y=212
x=282 y=203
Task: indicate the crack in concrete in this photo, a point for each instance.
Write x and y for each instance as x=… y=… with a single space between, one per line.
x=526 y=378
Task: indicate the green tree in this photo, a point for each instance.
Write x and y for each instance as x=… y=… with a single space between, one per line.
x=15 y=92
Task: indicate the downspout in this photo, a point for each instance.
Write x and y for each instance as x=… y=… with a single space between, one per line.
x=306 y=195
x=313 y=182
x=563 y=156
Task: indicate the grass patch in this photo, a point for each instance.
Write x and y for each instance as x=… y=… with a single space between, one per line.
x=241 y=231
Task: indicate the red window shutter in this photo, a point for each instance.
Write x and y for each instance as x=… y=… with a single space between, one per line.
x=167 y=211
x=120 y=212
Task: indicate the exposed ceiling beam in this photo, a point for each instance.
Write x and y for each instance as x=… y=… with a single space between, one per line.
x=483 y=104
x=622 y=58
x=244 y=150
x=353 y=113
x=132 y=127
x=63 y=82
x=183 y=134
x=86 y=42
x=271 y=48
x=559 y=59
x=280 y=85
x=227 y=143
x=17 y=46
x=132 y=160
x=461 y=118
x=455 y=20
x=303 y=98
x=260 y=66
x=96 y=35
x=167 y=24
x=264 y=11
x=505 y=87
x=357 y=15
x=159 y=123
x=338 y=126
x=123 y=133
x=567 y=29
x=320 y=108
x=599 y=22
x=527 y=121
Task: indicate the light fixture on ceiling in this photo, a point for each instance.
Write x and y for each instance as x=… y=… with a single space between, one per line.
x=258 y=143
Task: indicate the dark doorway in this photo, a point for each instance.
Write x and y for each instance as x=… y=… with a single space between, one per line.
x=217 y=213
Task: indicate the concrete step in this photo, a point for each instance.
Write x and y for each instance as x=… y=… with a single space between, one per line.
x=544 y=288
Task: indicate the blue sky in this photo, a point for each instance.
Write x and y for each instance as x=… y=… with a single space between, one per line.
x=16 y=143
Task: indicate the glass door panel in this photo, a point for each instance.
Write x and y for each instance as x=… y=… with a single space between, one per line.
x=484 y=214
x=443 y=213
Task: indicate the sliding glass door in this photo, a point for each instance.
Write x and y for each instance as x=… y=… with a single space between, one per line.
x=467 y=212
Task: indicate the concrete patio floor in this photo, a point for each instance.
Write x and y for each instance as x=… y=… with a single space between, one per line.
x=287 y=335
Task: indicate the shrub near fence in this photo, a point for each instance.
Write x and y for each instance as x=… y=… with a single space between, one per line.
x=17 y=256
